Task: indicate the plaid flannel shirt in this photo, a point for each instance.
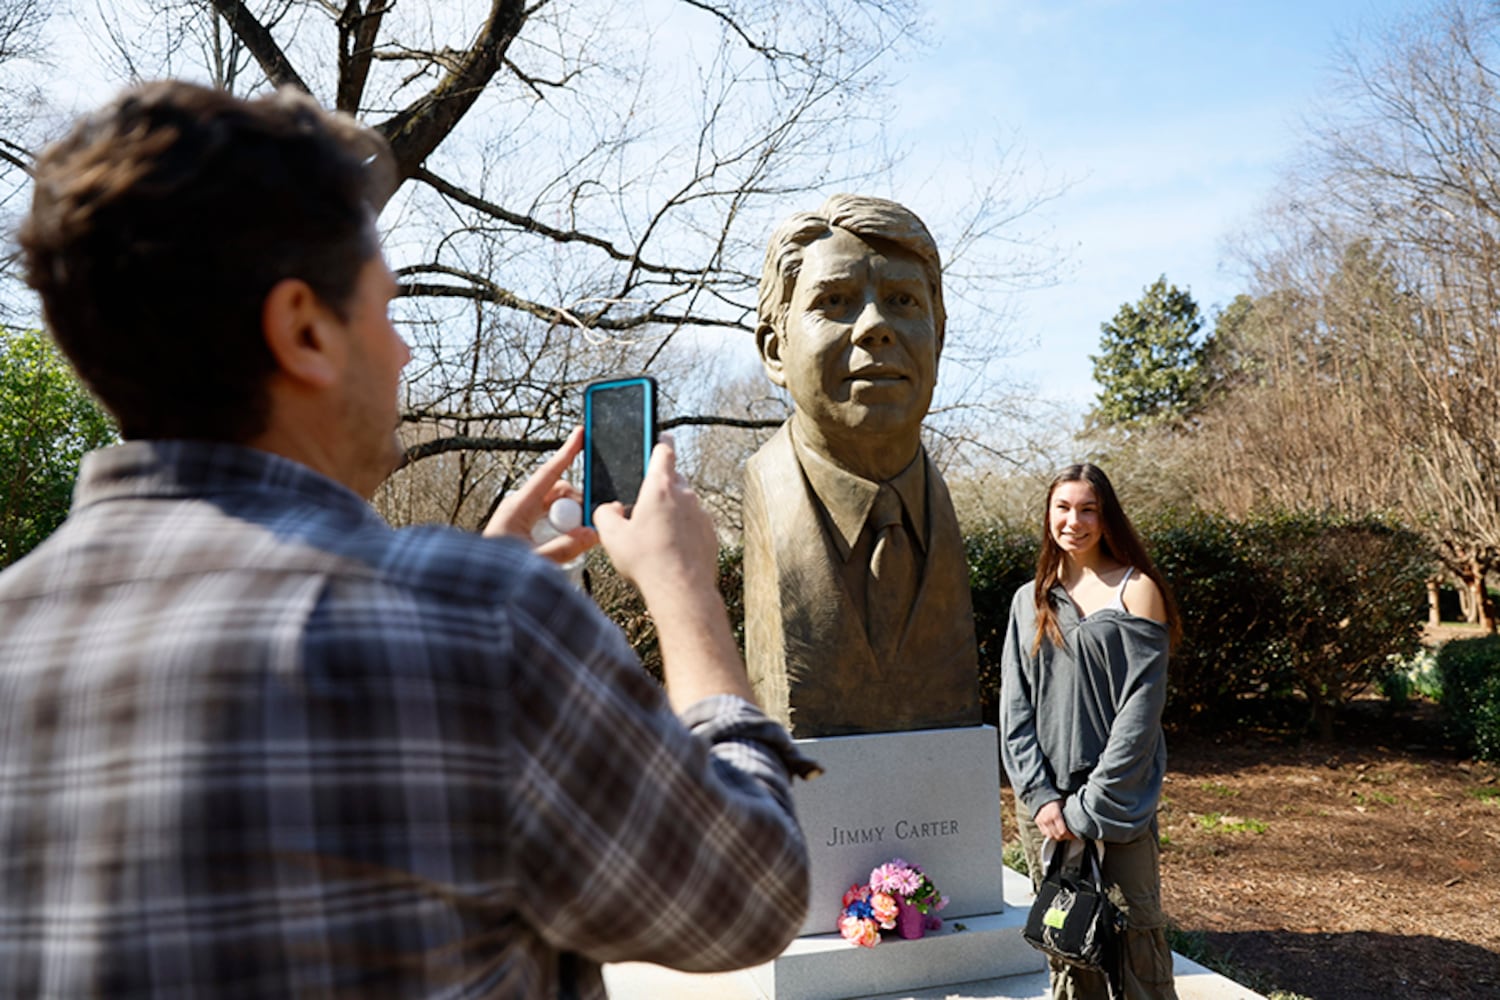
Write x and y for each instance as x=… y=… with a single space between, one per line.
x=256 y=743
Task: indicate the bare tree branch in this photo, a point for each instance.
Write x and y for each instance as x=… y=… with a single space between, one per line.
x=738 y=422
x=416 y=131
x=770 y=52
x=533 y=446
x=447 y=445
x=527 y=224
x=535 y=83
x=486 y=291
x=257 y=38
x=16 y=156
x=358 y=30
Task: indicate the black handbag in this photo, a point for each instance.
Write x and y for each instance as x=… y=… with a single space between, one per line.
x=1072 y=919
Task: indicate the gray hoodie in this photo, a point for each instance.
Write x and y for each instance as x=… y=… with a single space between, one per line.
x=1082 y=722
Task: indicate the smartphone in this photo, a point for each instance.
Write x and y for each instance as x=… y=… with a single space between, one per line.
x=619 y=430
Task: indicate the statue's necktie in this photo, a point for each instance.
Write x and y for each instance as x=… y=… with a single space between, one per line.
x=893 y=574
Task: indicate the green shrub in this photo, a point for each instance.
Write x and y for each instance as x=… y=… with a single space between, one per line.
x=1001 y=559
x=1013 y=856
x=1313 y=604
x=1285 y=603
x=619 y=599
x=1271 y=606
x=48 y=421
x=1352 y=593
x=1229 y=611
x=1469 y=670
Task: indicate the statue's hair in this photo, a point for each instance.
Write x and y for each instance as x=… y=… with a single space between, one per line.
x=865 y=217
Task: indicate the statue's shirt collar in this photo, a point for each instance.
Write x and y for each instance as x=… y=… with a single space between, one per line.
x=848 y=497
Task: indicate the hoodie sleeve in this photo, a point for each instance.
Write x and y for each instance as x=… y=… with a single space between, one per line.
x=1020 y=750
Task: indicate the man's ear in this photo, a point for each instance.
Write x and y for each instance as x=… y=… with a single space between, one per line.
x=768 y=343
x=299 y=330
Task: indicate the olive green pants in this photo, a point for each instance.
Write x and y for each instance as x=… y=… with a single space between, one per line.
x=1132 y=877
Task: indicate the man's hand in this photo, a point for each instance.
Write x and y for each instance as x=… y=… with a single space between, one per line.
x=1049 y=820
x=667 y=542
x=668 y=548
x=529 y=503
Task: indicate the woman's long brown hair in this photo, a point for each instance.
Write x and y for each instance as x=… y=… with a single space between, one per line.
x=1120 y=543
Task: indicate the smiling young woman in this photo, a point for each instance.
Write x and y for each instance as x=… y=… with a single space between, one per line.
x=1083 y=683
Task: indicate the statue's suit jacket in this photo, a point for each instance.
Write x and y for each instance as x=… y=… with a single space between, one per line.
x=806 y=647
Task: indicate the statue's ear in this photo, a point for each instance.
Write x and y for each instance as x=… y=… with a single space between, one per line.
x=768 y=342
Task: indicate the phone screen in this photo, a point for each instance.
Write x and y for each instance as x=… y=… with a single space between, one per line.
x=619 y=419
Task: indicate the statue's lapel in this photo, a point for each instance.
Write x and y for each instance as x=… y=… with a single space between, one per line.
x=808 y=560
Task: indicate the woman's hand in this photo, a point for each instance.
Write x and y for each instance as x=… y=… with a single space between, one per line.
x=1049 y=820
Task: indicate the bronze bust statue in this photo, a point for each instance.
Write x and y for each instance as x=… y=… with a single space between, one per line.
x=857 y=610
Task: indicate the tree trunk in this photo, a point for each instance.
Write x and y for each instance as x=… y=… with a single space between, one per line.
x=1478 y=605
x=1484 y=605
x=1466 y=593
x=1323 y=715
x=1434 y=610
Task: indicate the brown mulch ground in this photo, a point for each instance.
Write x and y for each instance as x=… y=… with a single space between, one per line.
x=1368 y=867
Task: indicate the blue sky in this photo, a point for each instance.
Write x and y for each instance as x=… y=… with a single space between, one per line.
x=1172 y=119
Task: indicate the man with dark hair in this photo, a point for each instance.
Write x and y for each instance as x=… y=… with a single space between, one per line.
x=192 y=237
x=256 y=743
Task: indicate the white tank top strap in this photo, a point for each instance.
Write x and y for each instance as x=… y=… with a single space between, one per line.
x=1118 y=603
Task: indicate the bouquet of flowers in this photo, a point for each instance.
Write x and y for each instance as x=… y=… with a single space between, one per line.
x=865 y=915
x=898 y=896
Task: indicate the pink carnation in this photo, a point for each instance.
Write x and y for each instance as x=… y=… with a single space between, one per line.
x=896 y=878
x=859 y=931
x=884 y=906
x=856 y=892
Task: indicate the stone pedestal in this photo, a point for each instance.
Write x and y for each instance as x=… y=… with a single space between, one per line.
x=932 y=798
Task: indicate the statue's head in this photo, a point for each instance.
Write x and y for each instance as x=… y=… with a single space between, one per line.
x=851 y=319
